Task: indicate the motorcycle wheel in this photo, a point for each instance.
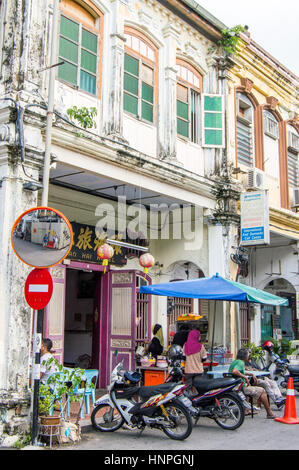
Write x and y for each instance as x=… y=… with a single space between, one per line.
x=180 y=416
x=106 y=419
x=233 y=412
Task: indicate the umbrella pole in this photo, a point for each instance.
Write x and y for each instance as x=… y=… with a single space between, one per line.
x=213 y=334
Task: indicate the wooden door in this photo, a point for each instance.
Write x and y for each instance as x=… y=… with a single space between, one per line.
x=54 y=312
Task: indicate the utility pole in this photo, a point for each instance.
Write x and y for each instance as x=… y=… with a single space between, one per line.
x=50 y=109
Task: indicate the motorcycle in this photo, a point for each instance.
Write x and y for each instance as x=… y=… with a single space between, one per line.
x=281 y=370
x=215 y=398
x=154 y=406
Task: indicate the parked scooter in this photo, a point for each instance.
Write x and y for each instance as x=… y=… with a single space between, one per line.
x=158 y=407
x=216 y=398
x=280 y=369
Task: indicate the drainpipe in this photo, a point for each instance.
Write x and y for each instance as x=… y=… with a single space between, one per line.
x=52 y=71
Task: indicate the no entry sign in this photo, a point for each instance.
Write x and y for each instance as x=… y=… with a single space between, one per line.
x=38 y=288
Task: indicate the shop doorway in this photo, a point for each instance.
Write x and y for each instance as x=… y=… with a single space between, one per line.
x=81 y=326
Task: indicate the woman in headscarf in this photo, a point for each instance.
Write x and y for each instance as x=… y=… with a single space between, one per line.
x=156 y=346
x=195 y=356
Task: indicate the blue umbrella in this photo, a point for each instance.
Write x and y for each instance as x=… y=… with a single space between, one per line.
x=214 y=288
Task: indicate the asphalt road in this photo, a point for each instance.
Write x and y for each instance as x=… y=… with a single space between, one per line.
x=36 y=255
x=258 y=433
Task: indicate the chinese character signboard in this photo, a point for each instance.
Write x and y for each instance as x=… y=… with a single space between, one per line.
x=255 y=218
x=87 y=241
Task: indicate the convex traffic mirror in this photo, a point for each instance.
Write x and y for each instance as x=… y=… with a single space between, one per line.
x=42 y=237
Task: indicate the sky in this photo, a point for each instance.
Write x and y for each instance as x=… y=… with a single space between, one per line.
x=273 y=24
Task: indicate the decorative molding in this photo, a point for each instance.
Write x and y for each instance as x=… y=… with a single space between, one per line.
x=121 y=343
x=121 y=278
x=272 y=102
x=247 y=84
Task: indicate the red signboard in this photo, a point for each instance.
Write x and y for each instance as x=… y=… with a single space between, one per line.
x=38 y=288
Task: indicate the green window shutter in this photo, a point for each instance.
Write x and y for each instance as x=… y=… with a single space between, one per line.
x=69 y=28
x=182 y=110
x=182 y=127
x=67 y=72
x=87 y=82
x=131 y=84
x=147 y=92
x=88 y=61
x=89 y=41
x=131 y=104
x=213 y=121
x=68 y=50
x=147 y=112
x=131 y=65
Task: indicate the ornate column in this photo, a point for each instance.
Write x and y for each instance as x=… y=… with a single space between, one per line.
x=167 y=114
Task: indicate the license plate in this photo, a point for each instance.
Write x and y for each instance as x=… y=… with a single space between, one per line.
x=186 y=402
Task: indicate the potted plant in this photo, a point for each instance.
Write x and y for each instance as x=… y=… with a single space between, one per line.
x=62 y=386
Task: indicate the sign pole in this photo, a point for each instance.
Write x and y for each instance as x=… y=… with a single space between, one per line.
x=37 y=339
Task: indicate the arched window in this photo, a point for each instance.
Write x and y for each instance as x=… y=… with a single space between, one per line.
x=271 y=144
x=140 y=76
x=189 y=85
x=293 y=154
x=270 y=125
x=79 y=46
x=245 y=130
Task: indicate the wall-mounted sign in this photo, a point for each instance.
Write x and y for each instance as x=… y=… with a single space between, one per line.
x=255 y=218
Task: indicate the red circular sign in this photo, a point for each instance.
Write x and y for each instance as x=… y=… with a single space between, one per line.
x=38 y=288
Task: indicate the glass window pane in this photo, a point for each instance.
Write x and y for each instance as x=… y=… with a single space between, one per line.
x=147 y=74
x=213 y=120
x=89 y=41
x=88 y=61
x=182 y=93
x=87 y=82
x=69 y=28
x=68 y=72
x=131 y=65
x=182 y=109
x=147 y=92
x=130 y=104
x=213 y=103
x=68 y=50
x=213 y=137
x=147 y=112
x=131 y=84
x=183 y=128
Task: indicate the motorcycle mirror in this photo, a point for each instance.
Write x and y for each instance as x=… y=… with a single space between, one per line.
x=42 y=237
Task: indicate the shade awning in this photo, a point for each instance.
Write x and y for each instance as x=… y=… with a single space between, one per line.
x=214 y=288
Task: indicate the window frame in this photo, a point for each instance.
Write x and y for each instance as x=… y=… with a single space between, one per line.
x=191 y=88
x=249 y=123
x=98 y=32
x=204 y=128
x=267 y=118
x=142 y=60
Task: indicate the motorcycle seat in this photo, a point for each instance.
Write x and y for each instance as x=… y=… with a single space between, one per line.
x=294 y=370
x=146 y=392
x=205 y=385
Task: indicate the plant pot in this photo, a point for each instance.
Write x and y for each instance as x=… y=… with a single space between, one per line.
x=49 y=420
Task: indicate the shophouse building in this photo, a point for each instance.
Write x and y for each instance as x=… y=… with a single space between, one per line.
x=160 y=169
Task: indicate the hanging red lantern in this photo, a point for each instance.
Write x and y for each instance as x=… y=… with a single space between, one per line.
x=105 y=252
x=146 y=261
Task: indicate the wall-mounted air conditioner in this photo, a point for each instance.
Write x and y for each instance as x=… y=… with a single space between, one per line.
x=296 y=197
x=256 y=179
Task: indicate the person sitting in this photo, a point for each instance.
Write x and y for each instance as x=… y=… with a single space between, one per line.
x=195 y=356
x=156 y=345
x=268 y=384
x=47 y=367
x=237 y=369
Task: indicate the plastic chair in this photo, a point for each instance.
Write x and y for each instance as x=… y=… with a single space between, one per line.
x=91 y=376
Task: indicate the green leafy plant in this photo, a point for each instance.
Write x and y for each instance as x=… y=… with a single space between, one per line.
x=61 y=386
x=256 y=351
x=84 y=116
x=231 y=38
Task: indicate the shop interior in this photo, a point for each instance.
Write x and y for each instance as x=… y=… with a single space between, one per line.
x=80 y=307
